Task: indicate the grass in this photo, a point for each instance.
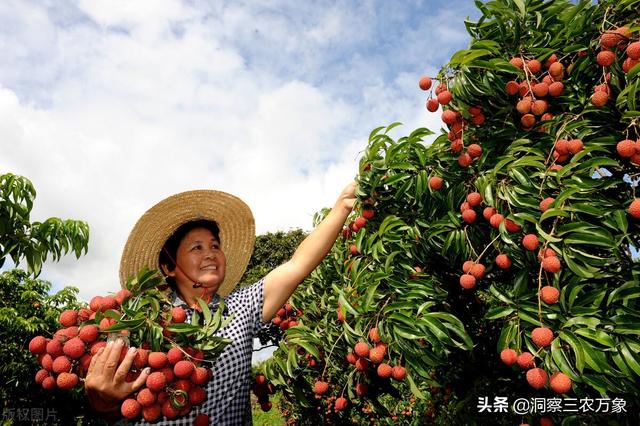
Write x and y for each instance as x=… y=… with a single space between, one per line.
x=269 y=418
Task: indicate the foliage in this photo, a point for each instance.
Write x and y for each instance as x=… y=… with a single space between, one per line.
x=34 y=241
x=27 y=308
x=448 y=338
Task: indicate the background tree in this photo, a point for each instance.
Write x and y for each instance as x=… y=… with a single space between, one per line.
x=509 y=234
x=26 y=307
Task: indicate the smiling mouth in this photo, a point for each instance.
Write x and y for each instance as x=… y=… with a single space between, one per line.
x=209 y=268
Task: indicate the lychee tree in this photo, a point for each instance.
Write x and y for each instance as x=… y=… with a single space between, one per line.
x=494 y=258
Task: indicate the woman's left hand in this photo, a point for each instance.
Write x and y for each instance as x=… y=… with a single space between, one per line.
x=347 y=198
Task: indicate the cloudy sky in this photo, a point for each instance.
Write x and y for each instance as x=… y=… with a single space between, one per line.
x=109 y=106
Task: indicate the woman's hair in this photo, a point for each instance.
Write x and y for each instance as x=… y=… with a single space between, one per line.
x=170 y=248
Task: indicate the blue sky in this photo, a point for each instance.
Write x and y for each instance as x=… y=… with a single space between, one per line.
x=109 y=106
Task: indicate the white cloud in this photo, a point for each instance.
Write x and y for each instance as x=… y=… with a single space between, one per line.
x=121 y=104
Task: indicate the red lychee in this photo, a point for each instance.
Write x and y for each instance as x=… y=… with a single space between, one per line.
x=178 y=315
x=399 y=373
x=551 y=264
x=74 y=348
x=517 y=62
x=512 y=87
x=197 y=395
x=88 y=333
x=503 y=261
x=374 y=335
x=183 y=369
x=556 y=88
x=537 y=378
x=534 y=66
x=69 y=318
x=634 y=211
x=599 y=98
x=384 y=370
x=444 y=97
x=38 y=345
x=488 y=212
x=361 y=222
x=433 y=105
x=464 y=160
x=66 y=381
x=496 y=220
x=467 y=281
x=130 y=408
x=41 y=375
x=362 y=364
x=575 y=146
x=61 y=364
x=49 y=383
x=542 y=336
x=626 y=148
x=341 y=404
x=201 y=420
x=474 y=199
x=425 y=83
x=469 y=216
x=560 y=383
x=544 y=204
x=435 y=183
x=525 y=361
x=633 y=50
x=146 y=397
x=477 y=270
x=474 y=150
x=511 y=226
x=320 y=387
x=509 y=356
x=157 y=360
x=606 y=58
x=549 y=294
x=530 y=242
x=156 y=381
x=376 y=355
x=449 y=116
x=361 y=349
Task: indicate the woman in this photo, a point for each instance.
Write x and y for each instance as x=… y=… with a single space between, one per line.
x=202 y=242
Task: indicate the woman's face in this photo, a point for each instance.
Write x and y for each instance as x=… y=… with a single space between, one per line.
x=200 y=259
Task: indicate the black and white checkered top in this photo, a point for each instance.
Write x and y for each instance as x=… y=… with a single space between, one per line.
x=228 y=401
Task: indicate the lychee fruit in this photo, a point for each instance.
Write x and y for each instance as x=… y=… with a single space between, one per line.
x=435 y=183
x=633 y=50
x=575 y=146
x=38 y=345
x=488 y=212
x=599 y=98
x=433 y=105
x=464 y=160
x=341 y=404
x=560 y=383
x=512 y=87
x=157 y=360
x=320 y=387
x=496 y=220
x=542 y=336
x=362 y=389
x=508 y=356
x=384 y=370
x=444 y=97
x=88 y=333
x=556 y=69
x=376 y=355
x=556 y=88
x=74 y=348
x=606 y=58
x=61 y=364
x=178 y=315
x=634 y=211
x=201 y=420
x=477 y=270
x=146 y=397
x=544 y=204
x=503 y=261
x=156 y=381
x=474 y=199
x=511 y=226
x=474 y=150
x=66 y=381
x=425 y=83
x=537 y=378
x=362 y=364
x=469 y=216
x=374 y=335
x=549 y=294
x=399 y=373
x=530 y=242
x=69 y=318
x=517 y=62
x=467 y=281
x=130 y=408
x=626 y=148
x=361 y=349
x=183 y=369
x=525 y=361
x=534 y=66
x=551 y=264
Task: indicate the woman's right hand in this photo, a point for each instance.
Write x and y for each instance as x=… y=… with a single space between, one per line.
x=105 y=382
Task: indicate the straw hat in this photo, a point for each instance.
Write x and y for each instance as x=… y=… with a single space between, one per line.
x=234 y=219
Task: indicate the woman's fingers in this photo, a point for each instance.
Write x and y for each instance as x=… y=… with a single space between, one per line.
x=141 y=380
x=112 y=358
x=94 y=362
x=125 y=366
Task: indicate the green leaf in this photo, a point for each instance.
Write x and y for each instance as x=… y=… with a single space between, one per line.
x=499 y=312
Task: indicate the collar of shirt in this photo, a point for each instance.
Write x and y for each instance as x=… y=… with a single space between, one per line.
x=213 y=304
